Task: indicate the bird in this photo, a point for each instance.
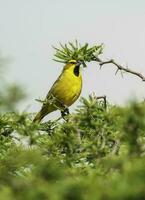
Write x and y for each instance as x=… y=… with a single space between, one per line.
x=64 y=92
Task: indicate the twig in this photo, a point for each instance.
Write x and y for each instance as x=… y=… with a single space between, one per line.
x=119 y=67
x=104 y=99
x=93 y=96
x=116 y=148
x=78 y=131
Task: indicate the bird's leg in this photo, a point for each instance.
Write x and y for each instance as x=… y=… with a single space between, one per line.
x=64 y=113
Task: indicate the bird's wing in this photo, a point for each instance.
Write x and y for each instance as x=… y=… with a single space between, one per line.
x=52 y=97
x=51 y=92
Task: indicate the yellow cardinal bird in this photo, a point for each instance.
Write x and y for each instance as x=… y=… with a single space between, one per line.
x=64 y=92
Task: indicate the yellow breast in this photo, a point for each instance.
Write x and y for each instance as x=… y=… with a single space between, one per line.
x=68 y=87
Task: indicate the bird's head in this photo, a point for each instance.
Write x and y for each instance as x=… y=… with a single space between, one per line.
x=73 y=65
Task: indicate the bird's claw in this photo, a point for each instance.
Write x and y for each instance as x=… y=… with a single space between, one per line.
x=64 y=113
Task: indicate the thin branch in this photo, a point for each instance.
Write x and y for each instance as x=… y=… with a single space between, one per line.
x=104 y=99
x=116 y=148
x=119 y=67
x=93 y=96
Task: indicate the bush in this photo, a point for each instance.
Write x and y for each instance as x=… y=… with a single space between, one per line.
x=97 y=154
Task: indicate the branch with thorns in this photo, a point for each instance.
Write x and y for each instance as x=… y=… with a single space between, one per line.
x=120 y=68
x=85 y=53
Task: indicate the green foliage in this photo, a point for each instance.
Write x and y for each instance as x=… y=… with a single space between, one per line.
x=10 y=94
x=96 y=148
x=77 y=51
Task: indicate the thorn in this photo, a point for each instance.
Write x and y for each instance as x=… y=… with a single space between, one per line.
x=116 y=71
x=121 y=73
x=100 y=67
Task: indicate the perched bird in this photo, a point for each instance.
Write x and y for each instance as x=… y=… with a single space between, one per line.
x=64 y=92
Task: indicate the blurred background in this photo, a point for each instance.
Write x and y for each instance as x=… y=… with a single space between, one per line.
x=29 y=28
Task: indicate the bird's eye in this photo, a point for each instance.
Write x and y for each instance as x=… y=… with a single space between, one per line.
x=72 y=62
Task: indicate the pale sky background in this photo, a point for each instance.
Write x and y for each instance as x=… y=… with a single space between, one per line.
x=29 y=28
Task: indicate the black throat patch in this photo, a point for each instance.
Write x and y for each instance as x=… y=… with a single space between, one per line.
x=77 y=70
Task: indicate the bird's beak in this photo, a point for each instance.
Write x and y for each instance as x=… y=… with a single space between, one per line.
x=79 y=62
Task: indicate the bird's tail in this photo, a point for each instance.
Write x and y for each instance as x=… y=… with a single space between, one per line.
x=43 y=112
x=39 y=116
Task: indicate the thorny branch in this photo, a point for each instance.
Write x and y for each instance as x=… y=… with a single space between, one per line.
x=93 y=96
x=119 y=67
